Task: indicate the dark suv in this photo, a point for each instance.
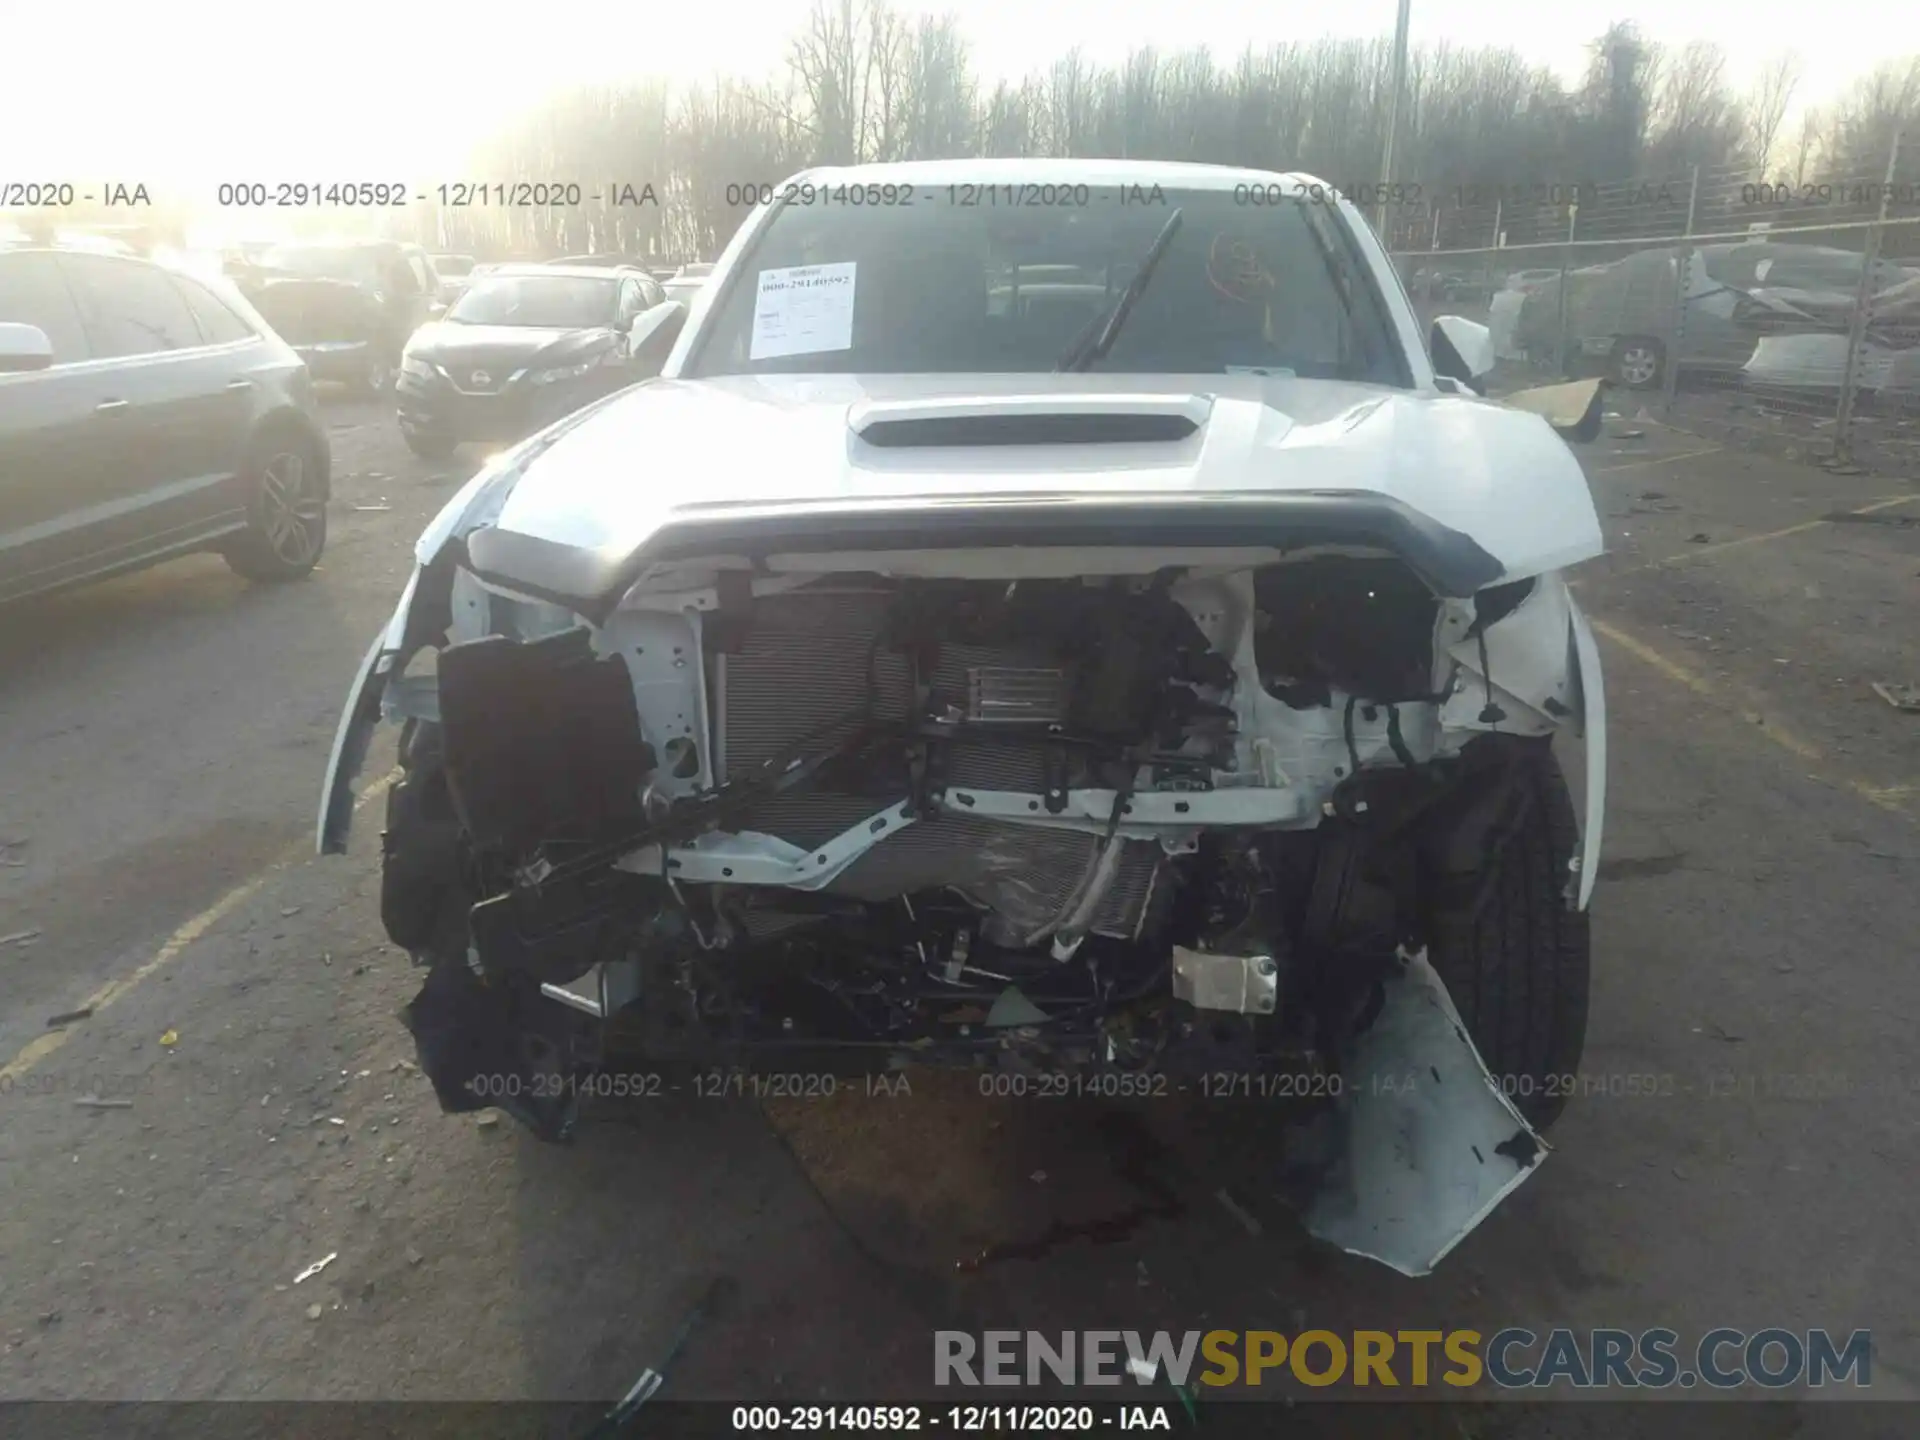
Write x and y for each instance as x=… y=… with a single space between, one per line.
x=146 y=413
x=347 y=308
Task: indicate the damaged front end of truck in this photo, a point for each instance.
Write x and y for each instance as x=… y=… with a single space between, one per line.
x=1177 y=784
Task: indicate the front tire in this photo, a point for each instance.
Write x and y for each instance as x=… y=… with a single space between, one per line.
x=1517 y=961
x=376 y=381
x=286 y=511
x=428 y=446
x=1638 y=363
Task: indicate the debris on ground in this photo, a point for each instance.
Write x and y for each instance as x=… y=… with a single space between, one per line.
x=652 y=1378
x=1900 y=697
x=314 y=1311
x=371 y=509
x=67 y=1017
x=1699 y=537
x=19 y=937
x=414 y=1257
x=170 y=1038
x=1235 y=1209
x=487 y=1119
x=95 y=1102
x=1653 y=494
x=1629 y=434
x=289 y=912
x=317 y=1266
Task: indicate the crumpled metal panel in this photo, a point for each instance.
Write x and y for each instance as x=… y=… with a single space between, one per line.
x=1425 y=1144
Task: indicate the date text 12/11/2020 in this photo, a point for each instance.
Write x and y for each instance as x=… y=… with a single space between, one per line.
x=455 y=195
x=715 y=1084
x=960 y=1419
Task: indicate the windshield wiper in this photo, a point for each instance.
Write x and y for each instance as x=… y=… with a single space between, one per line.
x=1343 y=284
x=1097 y=338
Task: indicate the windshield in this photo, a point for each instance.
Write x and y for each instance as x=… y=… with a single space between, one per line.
x=559 y=302
x=939 y=288
x=339 y=262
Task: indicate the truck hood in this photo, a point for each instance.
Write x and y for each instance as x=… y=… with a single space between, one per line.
x=668 y=453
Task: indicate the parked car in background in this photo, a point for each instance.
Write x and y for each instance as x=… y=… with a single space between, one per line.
x=527 y=344
x=452 y=273
x=347 y=307
x=683 y=288
x=600 y=262
x=146 y=413
x=686 y=282
x=1528 y=281
x=1620 y=317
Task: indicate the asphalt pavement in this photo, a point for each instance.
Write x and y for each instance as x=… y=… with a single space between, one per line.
x=162 y=739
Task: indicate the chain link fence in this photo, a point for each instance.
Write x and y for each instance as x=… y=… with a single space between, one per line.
x=1783 y=315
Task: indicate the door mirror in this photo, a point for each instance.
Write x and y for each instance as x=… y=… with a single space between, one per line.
x=23 y=348
x=1462 y=350
x=651 y=333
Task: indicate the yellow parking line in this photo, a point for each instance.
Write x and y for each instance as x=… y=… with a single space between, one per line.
x=39 y=1048
x=1799 y=529
x=1885 y=797
x=1657 y=460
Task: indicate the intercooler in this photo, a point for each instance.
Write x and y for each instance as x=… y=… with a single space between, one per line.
x=810 y=668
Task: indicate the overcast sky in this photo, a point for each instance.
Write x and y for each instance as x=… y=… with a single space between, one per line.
x=233 y=89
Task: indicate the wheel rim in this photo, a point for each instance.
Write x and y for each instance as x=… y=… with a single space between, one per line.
x=290 y=516
x=1638 y=364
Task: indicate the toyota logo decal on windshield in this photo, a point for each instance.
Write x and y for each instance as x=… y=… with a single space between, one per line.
x=481 y=377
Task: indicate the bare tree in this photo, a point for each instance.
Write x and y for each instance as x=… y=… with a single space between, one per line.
x=1766 y=106
x=825 y=59
x=861 y=83
x=940 y=100
x=1862 y=123
x=1812 y=123
x=1695 y=120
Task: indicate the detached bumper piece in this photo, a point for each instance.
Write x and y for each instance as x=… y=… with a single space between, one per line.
x=504 y=1045
x=1423 y=1144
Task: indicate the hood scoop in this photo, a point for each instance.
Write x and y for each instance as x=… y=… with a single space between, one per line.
x=1030 y=420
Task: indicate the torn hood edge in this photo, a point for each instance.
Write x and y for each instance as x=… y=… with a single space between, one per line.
x=1562 y=524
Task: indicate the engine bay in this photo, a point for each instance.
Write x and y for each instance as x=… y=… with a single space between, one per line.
x=1180 y=819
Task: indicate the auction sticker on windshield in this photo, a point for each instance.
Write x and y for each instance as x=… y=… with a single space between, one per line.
x=803 y=310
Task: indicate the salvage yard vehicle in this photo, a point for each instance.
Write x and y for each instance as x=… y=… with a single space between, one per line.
x=453 y=273
x=1620 y=316
x=1154 y=686
x=148 y=413
x=347 y=308
x=526 y=345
